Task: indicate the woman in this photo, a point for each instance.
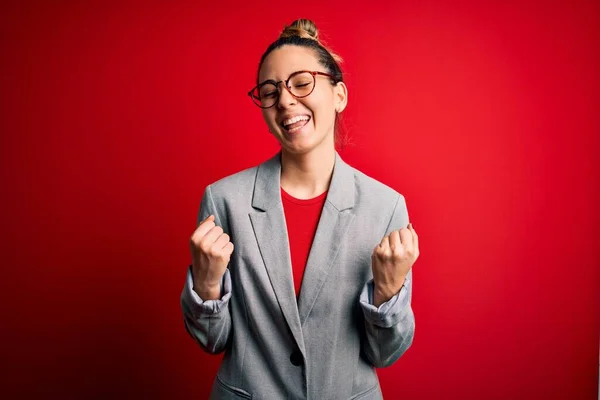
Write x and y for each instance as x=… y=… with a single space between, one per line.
x=317 y=292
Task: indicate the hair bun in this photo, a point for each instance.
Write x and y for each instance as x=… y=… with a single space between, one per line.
x=301 y=27
x=305 y=28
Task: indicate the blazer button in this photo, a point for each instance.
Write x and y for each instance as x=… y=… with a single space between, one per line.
x=296 y=358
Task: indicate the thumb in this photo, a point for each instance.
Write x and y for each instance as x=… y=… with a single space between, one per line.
x=207 y=218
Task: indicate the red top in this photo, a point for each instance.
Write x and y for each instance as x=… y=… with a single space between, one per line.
x=302 y=218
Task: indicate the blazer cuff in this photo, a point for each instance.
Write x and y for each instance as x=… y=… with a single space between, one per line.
x=201 y=307
x=389 y=313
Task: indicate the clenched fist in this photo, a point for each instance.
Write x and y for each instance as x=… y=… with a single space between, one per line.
x=211 y=251
x=391 y=261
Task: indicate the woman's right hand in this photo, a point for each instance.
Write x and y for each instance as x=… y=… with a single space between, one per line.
x=211 y=251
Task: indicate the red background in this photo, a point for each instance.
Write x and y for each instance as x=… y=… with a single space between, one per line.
x=115 y=117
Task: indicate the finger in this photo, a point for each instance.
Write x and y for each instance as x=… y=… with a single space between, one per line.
x=415 y=238
x=395 y=242
x=211 y=236
x=228 y=248
x=385 y=242
x=221 y=241
x=406 y=239
x=205 y=226
x=382 y=250
x=211 y=216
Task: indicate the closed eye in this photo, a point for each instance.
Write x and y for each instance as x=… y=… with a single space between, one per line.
x=268 y=95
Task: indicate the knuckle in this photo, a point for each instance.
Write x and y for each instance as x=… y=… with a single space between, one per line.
x=215 y=247
x=223 y=256
x=210 y=252
x=212 y=249
x=204 y=247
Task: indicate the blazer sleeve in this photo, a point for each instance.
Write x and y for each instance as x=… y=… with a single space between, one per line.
x=390 y=327
x=207 y=322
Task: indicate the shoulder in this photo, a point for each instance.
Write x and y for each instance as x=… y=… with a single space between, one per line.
x=241 y=185
x=374 y=191
x=380 y=204
x=234 y=183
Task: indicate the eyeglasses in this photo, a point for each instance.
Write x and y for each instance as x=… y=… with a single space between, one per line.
x=300 y=84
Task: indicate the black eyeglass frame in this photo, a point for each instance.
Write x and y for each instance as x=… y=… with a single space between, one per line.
x=256 y=100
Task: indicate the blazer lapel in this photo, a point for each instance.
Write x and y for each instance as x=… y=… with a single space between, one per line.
x=271 y=234
x=334 y=222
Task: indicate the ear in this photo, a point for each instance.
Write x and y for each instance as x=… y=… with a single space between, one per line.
x=340 y=96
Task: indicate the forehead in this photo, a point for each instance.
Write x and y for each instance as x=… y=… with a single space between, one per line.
x=280 y=63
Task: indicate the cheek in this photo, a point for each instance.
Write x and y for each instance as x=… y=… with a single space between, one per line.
x=322 y=107
x=268 y=116
x=323 y=113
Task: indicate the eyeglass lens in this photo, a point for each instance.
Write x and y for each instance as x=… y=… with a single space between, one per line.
x=300 y=85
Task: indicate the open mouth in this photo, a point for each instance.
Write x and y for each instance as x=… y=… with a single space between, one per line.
x=294 y=124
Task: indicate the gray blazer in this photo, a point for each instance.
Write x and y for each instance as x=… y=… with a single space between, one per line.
x=326 y=344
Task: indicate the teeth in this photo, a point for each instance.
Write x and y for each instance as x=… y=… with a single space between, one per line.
x=295 y=119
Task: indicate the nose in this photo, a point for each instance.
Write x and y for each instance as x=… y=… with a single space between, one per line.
x=285 y=97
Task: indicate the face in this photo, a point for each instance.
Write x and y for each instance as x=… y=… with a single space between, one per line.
x=316 y=111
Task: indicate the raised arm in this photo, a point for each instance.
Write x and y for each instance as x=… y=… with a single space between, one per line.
x=207 y=289
x=386 y=299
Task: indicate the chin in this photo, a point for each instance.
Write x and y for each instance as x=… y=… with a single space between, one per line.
x=301 y=147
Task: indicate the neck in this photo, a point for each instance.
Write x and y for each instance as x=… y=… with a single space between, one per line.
x=307 y=175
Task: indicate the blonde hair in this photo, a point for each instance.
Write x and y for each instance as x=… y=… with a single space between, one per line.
x=305 y=28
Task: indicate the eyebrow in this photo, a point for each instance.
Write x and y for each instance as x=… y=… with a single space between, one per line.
x=273 y=81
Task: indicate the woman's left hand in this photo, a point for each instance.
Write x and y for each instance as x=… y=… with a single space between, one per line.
x=391 y=261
